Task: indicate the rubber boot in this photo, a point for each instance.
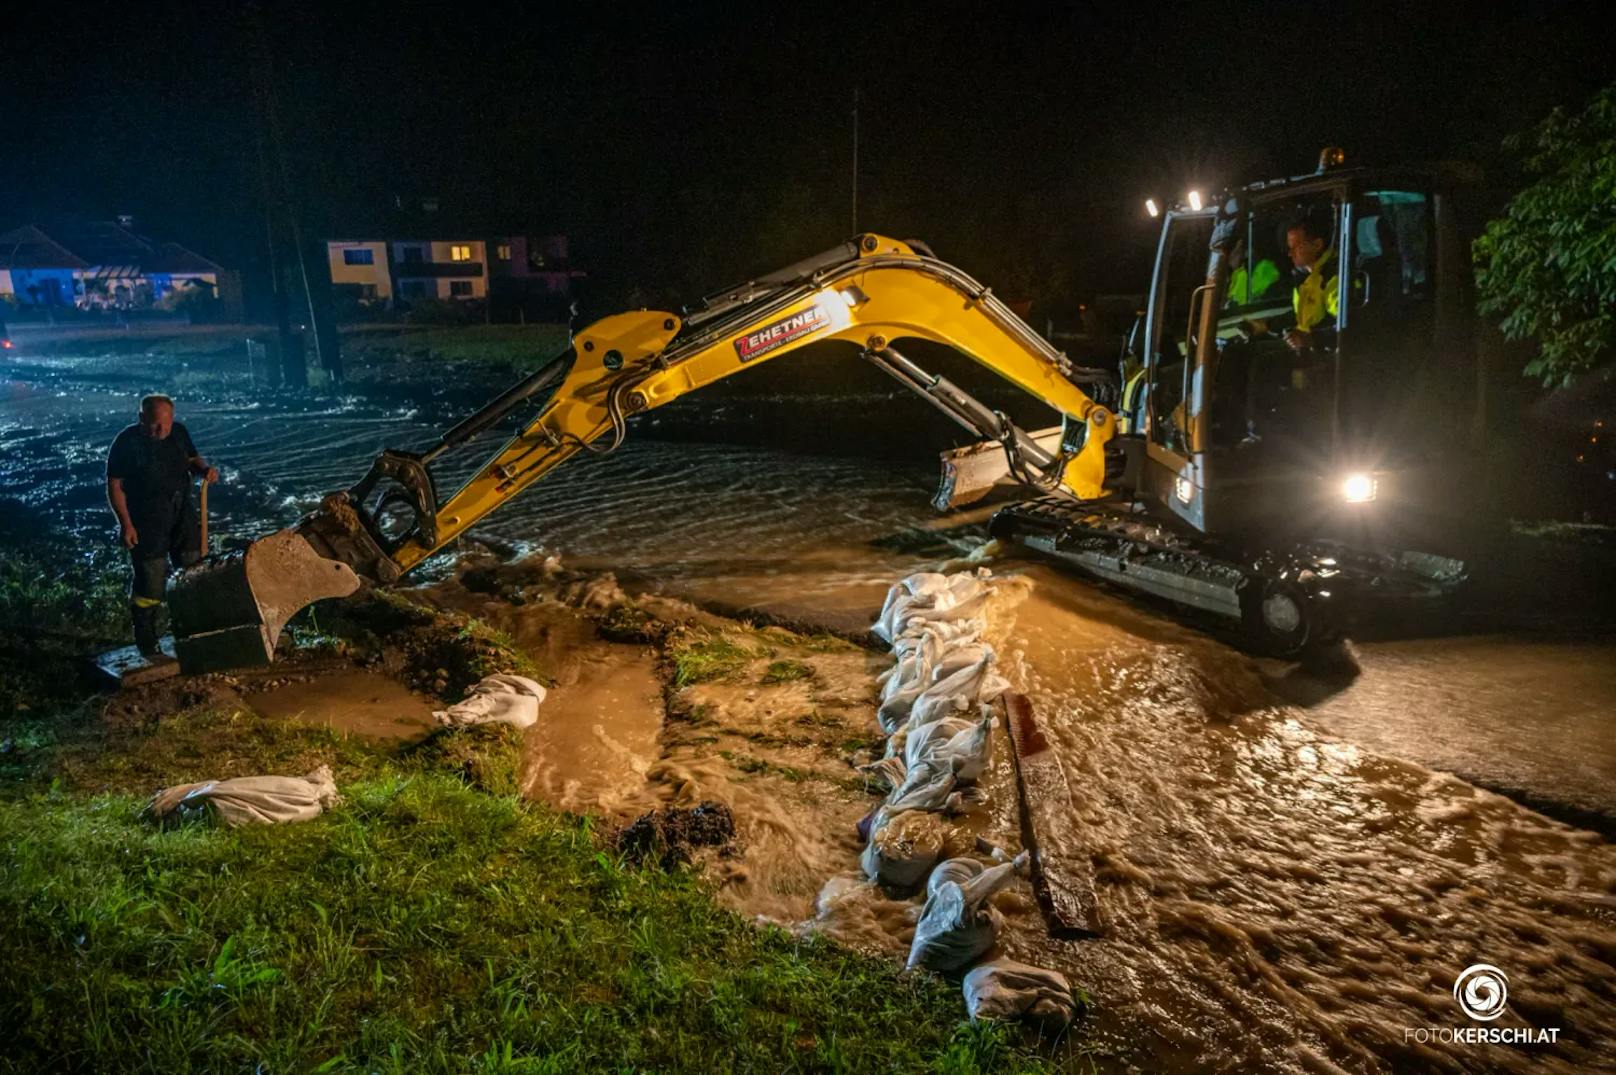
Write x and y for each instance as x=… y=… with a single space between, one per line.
x=145 y=628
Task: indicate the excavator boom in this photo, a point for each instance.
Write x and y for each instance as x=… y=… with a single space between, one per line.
x=870 y=292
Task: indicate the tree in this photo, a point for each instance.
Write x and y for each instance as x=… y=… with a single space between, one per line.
x=1547 y=267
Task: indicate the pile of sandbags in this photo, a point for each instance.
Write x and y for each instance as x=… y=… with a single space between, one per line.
x=937 y=711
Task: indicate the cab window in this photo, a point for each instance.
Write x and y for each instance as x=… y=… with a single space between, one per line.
x=1185 y=261
x=1392 y=258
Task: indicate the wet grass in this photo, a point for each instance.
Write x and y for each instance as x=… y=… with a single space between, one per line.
x=627 y=622
x=381 y=351
x=422 y=925
x=786 y=671
x=57 y=603
x=708 y=658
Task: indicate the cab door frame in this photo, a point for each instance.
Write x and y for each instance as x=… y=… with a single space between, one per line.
x=1172 y=471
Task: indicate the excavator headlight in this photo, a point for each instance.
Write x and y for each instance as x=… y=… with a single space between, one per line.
x=853 y=296
x=1358 y=488
x=1152 y=208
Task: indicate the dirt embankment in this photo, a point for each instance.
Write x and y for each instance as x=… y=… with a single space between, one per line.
x=656 y=704
x=653 y=705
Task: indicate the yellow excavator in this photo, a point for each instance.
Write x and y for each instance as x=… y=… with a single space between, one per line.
x=1125 y=493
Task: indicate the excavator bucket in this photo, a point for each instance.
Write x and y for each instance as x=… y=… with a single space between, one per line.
x=972 y=472
x=228 y=610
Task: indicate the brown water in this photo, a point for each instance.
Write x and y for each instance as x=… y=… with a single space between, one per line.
x=1279 y=899
x=354 y=701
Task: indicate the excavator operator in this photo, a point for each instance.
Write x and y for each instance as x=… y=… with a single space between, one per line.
x=1316 y=298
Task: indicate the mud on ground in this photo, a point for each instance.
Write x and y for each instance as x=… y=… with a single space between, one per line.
x=657 y=705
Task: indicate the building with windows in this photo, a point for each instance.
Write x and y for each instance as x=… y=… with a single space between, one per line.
x=106 y=265
x=361 y=269
x=521 y=276
x=440 y=269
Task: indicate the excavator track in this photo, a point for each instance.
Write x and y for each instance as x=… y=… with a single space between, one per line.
x=1280 y=602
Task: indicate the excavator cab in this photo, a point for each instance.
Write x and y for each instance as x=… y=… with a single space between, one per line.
x=1257 y=432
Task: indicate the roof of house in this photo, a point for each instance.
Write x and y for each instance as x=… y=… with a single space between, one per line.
x=110 y=248
x=174 y=258
x=101 y=242
x=28 y=247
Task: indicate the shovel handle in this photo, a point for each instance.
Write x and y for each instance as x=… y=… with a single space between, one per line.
x=204 y=513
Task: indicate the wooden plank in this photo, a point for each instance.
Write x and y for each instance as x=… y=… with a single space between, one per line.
x=1062 y=879
x=125 y=667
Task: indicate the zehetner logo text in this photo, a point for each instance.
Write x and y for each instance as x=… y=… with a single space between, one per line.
x=1482 y=992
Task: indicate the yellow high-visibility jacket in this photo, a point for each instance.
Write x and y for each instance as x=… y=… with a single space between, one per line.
x=1317 y=299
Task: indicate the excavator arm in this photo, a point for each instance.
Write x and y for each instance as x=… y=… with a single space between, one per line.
x=870 y=292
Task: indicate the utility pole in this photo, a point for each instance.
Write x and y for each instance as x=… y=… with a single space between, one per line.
x=855 y=159
x=321 y=329
x=294 y=370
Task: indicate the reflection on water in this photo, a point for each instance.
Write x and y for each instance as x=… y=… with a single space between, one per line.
x=1276 y=899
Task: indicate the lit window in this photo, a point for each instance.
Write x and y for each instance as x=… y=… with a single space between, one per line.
x=460 y=288
x=503 y=251
x=360 y=256
x=460 y=253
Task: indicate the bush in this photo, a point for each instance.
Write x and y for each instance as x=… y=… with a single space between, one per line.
x=1547 y=267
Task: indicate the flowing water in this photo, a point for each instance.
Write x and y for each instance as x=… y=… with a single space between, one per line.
x=1289 y=874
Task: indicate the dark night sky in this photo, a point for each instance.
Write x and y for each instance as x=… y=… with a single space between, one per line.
x=686 y=148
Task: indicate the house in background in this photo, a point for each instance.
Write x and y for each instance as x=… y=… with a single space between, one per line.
x=449 y=269
x=533 y=277
x=99 y=265
x=361 y=270
x=520 y=277
x=36 y=270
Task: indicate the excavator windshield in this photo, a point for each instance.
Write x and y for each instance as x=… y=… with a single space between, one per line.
x=1277 y=326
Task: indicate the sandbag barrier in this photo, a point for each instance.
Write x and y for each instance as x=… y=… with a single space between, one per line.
x=937 y=710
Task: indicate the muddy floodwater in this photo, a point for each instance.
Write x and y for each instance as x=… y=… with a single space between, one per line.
x=1291 y=872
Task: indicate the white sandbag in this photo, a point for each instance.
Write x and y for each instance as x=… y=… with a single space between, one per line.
x=929 y=596
x=950 y=739
x=499 y=698
x=958 y=926
x=883 y=775
x=959 y=871
x=896 y=743
x=965 y=869
x=248 y=800
x=926 y=786
x=960 y=690
x=903 y=847
x=947 y=682
x=1006 y=989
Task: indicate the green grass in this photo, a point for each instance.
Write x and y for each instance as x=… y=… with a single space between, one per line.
x=54 y=608
x=708 y=659
x=423 y=925
x=786 y=671
x=499 y=347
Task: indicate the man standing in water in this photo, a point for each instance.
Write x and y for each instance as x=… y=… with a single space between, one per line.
x=149 y=472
